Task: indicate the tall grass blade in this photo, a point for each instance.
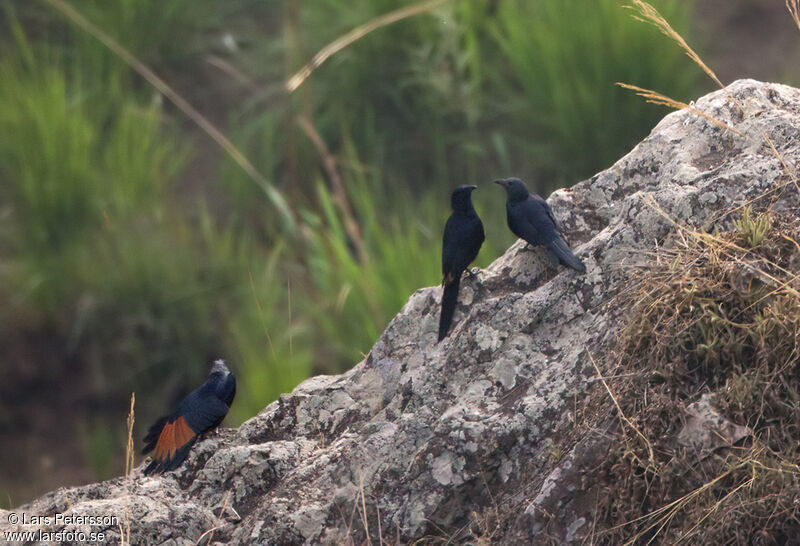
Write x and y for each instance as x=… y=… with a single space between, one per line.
x=649 y=14
x=339 y=191
x=655 y=97
x=794 y=9
x=19 y=35
x=183 y=105
x=356 y=34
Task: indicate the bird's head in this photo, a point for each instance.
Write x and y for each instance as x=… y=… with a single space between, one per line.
x=460 y=199
x=515 y=188
x=219 y=367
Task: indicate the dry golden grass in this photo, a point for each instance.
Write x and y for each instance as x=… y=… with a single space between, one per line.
x=125 y=526
x=651 y=461
x=648 y=14
x=208 y=535
x=794 y=10
x=714 y=313
x=745 y=474
x=655 y=97
x=363 y=536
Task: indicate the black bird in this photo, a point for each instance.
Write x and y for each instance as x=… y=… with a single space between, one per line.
x=203 y=409
x=463 y=237
x=531 y=218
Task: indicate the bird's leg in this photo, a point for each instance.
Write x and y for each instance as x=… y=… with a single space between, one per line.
x=472 y=273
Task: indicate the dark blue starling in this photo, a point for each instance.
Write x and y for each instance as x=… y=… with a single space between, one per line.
x=531 y=218
x=463 y=237
x=173 y=436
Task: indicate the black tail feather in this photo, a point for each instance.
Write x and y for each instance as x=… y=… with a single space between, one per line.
x=449 y=301
x=558 y=247
x=152 y=435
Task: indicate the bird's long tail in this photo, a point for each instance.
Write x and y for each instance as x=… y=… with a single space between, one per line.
x=559 y=251
x=449 y=301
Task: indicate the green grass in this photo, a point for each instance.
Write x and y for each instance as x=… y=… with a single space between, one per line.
x=563 y=114
x=355 y=296
x=752 y=228
x=361 y=294
x=49 y=159
x=108 y=264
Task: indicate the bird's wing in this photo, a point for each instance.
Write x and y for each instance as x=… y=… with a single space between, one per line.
x=170 y=439
x=551 y=215
x=175 y=434
x=476 y=238
x=230 y=390
x=449 y=247
x=153 y=433
x=203 y=412
x=462 y=245
x=480 y=233
x=532 y=223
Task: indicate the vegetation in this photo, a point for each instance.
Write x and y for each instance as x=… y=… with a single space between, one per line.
x=133 y=251
x=715 y=314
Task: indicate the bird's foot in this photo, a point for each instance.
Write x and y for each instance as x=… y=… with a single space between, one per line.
x=472 y=273
x=526 y=248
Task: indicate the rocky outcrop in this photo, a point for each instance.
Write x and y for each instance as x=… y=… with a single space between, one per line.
x=485 y=434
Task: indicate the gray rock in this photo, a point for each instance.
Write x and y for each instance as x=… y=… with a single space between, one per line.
x=706 y=431
x=426 y=440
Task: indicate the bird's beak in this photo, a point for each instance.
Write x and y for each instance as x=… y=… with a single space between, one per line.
x=502 y=181
x=473 y=187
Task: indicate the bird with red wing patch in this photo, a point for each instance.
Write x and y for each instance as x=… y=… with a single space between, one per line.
x=172 y=437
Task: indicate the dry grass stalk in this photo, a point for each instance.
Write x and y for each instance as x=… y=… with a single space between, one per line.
x=356 y=34
x=655 y=97
x=794 y=9
x=229 y=69
x=689 y=296
x=125 y=531
x=649 y=14
x=791 y=173
x=218 y=524
x=363 y=509
x=339 y=191
x=661 y=517
x=261 y=313
x=730 y=249
x=651 y=463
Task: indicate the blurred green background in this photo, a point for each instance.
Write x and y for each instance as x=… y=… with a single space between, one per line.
x=133 y=250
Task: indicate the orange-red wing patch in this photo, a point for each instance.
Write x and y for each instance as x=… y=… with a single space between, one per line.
x=173 y=436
